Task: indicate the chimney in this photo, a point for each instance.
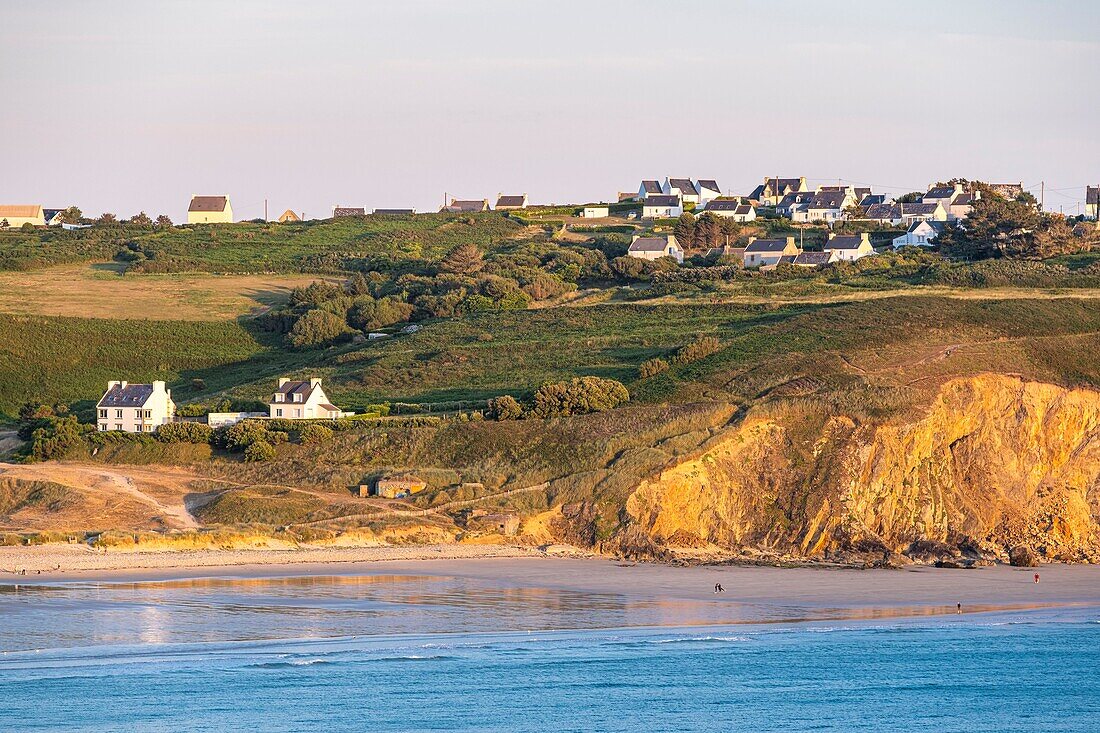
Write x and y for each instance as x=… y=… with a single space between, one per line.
x=111 y=385
x=158 y=386
x=123 y=384
x=314 y=382
x=790 y=241
x=865 y=237
x=831 y=236
x=283 y=380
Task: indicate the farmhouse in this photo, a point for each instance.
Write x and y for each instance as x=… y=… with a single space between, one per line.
x=850 y=247
x=302 y=400
x=793 y=202
x=16 y=215
x=134 y=408
x=511 y=202
x=659 y=206
x=769 y=252
x=654 y=248
x=774 y=189
x=898 y=214
x=731 y=209
x=467 y=206
x=209 y=210
x=595 y=212
x=339 y=211
x=920 y=234
x=682 y=187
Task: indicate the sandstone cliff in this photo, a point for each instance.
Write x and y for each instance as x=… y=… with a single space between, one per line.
x=992 y=465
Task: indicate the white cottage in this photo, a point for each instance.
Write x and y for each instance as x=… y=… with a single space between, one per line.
x=134 y=408
x=302 y=400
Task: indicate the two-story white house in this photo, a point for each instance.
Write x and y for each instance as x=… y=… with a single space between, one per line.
x=302 y=400
x=850 y=247
x=920 y=234
x=708 y=190
x=134 y=408
x=772 y=191
x=1092 y=201
x=682 y=187
x=654 y=248
x=768 y=253
x=662 y=207
x=731 y=209
x=647 y=189
x=826 y=206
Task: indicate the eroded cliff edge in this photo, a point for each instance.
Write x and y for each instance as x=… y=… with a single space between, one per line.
x=994 y=465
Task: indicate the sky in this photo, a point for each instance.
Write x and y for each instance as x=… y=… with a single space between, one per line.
x=135 y=106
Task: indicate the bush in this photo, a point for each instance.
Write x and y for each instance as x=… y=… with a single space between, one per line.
x=312 y=433
x=505 y=407
x=185 y=432
x=259 y=451
x=368 y=314
x=57 y=437
x=701 y=347
x=579 y=396
x=652 y=367
x=317 y=328
x=240 y=436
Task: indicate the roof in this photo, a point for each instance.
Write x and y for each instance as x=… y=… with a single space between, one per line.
x=651 y=186
x=348 y=211
x=812 y=258
x=872 y=199
x=294 y=386
x=395 y=211
x=727 y=205
x=468 y=205
x=685 y=185
x=883 y=211
x=289 y=215
x=709 y=184
x=208 y=203
x=23 y=211
x=48 y=214
x=783 y=183
x=917 y=209
x=937 y=225
x=845 y=241
x=797 y=197
x=649 y=244
x=132 y=395
x=330 y=408
x=766 y=245
x=828 y=200
x=940 y=192
x=963 y=199
x=511 y=201
x=1092 y=194
x=671 y=200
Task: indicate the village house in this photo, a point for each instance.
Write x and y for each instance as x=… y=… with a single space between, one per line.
x=942 y=195
x=871 y=199
x=826 y=206
x=662 y=207
x=595 y=212
x=209 y=210
x=793 y=202
x=16 y=215
x=647 y=189
x=134 y=408
x=654 y=248
x=339 y=212
x=772 y=191
x=53 y=217
x=708 y=190
x=288 y=216
x=850 y=247
x=898 y=214
x=768 y=252
x=467 y=206
x=811 y=259
x=394 y=487
x=302 y=400
x=395 y=212
x=960 y=206
x=511 y=202
x=731 y=209
x=682 y=187
x=920 y=234
x=1092 y=201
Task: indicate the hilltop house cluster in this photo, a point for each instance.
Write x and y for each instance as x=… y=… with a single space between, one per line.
x=142 y=408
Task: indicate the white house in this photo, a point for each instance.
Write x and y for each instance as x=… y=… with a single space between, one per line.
x=850 y=247
x=920 y=234
x=769 y=252
x=682 y=187
x=943 y=195
x=897 y=214
x=660 y=206
x=1092 y=201
x=16 y=215
x=826 y=206
x=134 y=408
x=811 y=259
x=731 y=209
x=302 y=400
x=774 y=189
x=649 y=188
x=708 y=190
x=792 y=202
x=595 y=212
x=654 y=248
x=209 y=210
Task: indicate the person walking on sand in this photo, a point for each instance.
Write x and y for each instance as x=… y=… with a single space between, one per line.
x=1036 y=577
x=958 y=608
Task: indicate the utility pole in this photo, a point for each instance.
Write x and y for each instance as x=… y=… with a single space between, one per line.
x=1042 y=195
x=265 y=210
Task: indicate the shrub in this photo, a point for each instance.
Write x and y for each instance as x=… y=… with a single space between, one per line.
x=317 y=328
x=701 y=347
x=259 y=451
x=185 y=432
x=505 y=407
x=652 y=367
x=56 y=437
x=311 y=433
x=368 y=314
x=579 y=396
x=243 y=434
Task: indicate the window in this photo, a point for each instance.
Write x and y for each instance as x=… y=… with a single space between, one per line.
x=118 y=414
x=103 y=426
x=148 y=414
x=297 y=413
x=140 y=427
x=297 y=398
x=103 y=413
x=118 y=427
x=279 y=396
x=278 y=412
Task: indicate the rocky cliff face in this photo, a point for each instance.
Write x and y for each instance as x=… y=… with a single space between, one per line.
x=994 y=464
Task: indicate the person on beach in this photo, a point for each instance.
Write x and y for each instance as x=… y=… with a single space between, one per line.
x=958 y=608
x=1036 y=577
x=718 y=588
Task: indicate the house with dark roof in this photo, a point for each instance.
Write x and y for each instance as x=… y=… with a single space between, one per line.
x=339 y=211
x=654 y=248
x=850 y=247
x=920 y=234
x=511 y=202
x=682 y=187
x=827 y=206
x=792 y=202
x=735 y=209
x=811 y=259
x=395 y=212
x=871 y=199
x=767 y=253
x=209 y=210
x=466 y=206
x=1092 y=201
x=662 y=207
x=708 y=190
x=961 y=205
x=774 y=189
x=943 y=195
x=134 y=408
x=898 y=214
x=647 y=189
x=52 y=217
x=302 y=400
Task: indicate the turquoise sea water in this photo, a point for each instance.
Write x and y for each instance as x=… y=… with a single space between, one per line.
x=410 y=653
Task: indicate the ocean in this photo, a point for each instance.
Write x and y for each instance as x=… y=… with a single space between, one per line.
x=427 y=653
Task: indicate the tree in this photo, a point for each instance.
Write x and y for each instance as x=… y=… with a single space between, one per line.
x=368 y=314
x=4 y=224
x=652 y=367
x=464 y=259
x=106 y=218
x=685 y=230
x=317 y=328
x=505 y=407
x=141 y=219
x=72 y=215
x=709 y=232
x=578 y=397
x=910 y=198
x=312 y=433
x=259 y=451
x=357 y=285
x=163 y=221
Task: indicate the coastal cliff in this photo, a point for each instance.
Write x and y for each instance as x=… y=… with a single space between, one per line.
x=994 y=467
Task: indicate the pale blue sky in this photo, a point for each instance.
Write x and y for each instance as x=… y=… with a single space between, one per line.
x=122 y=106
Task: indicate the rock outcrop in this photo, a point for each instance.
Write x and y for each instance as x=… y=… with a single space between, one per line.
x=993 y=464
